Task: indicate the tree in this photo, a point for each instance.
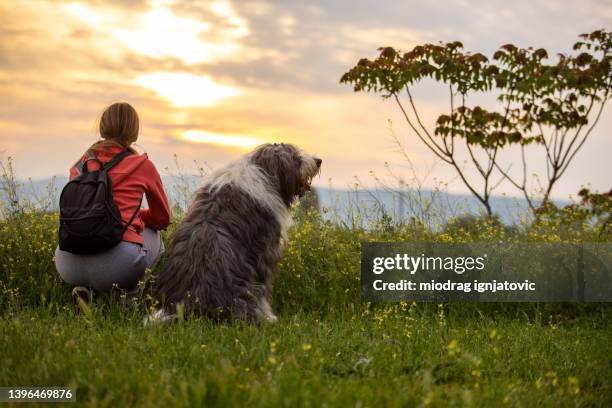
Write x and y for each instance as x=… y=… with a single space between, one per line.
x=553 y=106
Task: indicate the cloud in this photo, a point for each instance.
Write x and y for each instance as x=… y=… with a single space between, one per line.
x=200 y=136
x=160 y=32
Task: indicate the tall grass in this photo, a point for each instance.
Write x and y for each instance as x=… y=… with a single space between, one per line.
x=320 y=267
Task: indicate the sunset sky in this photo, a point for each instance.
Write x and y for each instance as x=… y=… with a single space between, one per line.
x=211 y=80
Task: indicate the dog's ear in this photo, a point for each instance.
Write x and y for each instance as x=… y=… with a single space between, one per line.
x=281 y=162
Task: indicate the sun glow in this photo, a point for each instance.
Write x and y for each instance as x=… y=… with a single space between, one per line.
x=186 y=90
x=201 y=136
x=210 y=32
x=160 y=32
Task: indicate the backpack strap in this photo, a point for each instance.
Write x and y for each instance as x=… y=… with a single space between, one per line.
x=115 y=160
x=90 y=156
x=133 y=215
x=104 y=167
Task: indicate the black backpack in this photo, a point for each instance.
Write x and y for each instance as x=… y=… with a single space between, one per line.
x=90 y=221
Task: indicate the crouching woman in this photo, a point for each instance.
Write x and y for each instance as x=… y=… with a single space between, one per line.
x=131 y=176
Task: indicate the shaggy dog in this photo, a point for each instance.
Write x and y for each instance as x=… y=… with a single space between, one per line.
x=222 y=259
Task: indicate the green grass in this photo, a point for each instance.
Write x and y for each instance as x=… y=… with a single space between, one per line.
x=327 y=349
x=456 y=355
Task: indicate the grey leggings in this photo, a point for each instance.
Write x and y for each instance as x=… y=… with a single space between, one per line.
x=123 y=265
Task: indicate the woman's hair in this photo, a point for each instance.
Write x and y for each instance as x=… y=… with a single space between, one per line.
x=119 y=123
x=119 y=126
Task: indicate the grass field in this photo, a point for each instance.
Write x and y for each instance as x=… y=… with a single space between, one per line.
x=420 y=355
x=328 y=348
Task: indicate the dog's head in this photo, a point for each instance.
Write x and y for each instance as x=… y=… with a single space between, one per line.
x=288 y=168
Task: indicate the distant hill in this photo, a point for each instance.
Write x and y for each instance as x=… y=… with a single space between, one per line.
x=347 y=205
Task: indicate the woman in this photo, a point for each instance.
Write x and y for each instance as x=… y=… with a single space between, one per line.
x=123 y=265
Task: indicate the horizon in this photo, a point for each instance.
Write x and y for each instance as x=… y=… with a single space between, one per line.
x=377 y=187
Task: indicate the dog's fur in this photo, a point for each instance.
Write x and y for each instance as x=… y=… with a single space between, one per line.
x=223 y=256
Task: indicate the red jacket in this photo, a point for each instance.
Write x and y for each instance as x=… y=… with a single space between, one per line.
x=132 y=177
